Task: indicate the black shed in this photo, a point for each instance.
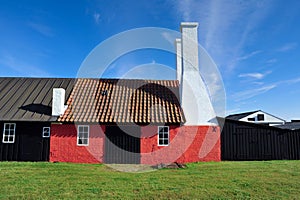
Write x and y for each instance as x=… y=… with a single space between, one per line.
x=249 y=141
x=25 y=117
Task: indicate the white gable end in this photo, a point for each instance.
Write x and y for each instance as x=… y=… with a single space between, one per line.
x=263 y=118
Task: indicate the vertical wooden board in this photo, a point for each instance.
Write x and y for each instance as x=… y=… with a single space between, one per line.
x=46 y=149
x=121 y=148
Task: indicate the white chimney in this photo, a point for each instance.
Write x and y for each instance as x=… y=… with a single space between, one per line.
x=178 y=59
x=195 y=99
x=58 y=101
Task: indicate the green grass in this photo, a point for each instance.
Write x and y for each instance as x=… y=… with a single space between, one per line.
x=221 y=180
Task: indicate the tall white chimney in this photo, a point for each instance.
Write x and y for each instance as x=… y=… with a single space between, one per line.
x=178 y=59
x=195 y=99
x=58 y=101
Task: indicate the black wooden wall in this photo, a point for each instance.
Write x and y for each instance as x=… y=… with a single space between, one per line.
x=247 y=141
x=29 y=143
x=122 y=145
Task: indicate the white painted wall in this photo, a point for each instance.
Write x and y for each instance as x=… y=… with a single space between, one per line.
x=267 y=119
x=195 y=100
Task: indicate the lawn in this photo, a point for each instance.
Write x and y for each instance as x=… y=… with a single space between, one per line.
x=216 y=180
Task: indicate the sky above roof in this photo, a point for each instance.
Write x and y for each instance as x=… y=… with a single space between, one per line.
x=255 y=44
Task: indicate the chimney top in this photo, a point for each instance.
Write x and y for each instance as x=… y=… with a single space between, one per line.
x=188 y=24
x=177 y=40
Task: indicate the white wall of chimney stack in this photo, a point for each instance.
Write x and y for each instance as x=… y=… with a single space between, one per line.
x=58 y=101
x=195 y=100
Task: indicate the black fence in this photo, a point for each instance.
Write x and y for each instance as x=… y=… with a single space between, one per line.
x=248 y=141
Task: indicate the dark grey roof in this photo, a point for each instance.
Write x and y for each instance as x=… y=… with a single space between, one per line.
x=245 y=114
x=240 y=115
x=290 y=125
x=224 y=121
x=30 y=99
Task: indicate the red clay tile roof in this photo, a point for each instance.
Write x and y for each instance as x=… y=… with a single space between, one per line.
x=124 y=101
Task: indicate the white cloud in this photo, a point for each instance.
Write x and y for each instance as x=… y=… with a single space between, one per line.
x=290 y=81
x=42 y=29
x=96 y=17
x=232 y=111
x=287 y=47
x=252 y=75
x=169 y=37
x=255 y=75
x=245 y=57
x=258 y=83
x=225 y=27
x=271 y=61
x=243 y=95
x=184 y=8
x=247 y=94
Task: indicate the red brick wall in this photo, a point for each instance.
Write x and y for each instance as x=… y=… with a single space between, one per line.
x=64 y=148
x=188 y=144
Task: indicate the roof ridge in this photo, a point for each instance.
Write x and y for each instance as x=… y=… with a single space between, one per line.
x=243 y=113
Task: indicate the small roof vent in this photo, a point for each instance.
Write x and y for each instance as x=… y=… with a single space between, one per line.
x=104 y=92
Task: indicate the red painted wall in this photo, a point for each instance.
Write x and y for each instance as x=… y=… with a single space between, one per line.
x=64 y=148
x=187 y=144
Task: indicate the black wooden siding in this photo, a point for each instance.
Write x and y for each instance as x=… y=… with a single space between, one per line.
x=248 y=141
x=29 y=143
x=122 y=145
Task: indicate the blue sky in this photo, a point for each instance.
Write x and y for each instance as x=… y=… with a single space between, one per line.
x=255 y=44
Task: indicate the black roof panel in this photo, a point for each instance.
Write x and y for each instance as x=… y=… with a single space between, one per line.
x=30 y=99
x=240 y=115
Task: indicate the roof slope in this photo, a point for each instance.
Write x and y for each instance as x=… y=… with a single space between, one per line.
x=29 y=99
x=240 y=115
x=123 y=101
x=290 y=125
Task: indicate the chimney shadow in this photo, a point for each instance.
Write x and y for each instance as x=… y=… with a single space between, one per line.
x=37 y=108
